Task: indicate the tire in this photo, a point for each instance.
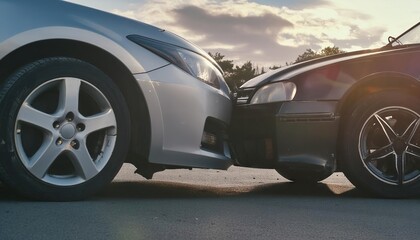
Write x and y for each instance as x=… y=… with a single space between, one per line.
x=303 y=176
x=381 y=150
x=65 y=130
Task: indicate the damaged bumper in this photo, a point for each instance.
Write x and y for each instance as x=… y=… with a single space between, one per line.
x=299 y=135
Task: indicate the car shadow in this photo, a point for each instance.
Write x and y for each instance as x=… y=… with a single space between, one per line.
x=7 y=195
x=162 y=189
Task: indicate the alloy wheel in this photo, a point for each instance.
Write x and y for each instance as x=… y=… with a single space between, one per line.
x=65 y=131
x=389 y=145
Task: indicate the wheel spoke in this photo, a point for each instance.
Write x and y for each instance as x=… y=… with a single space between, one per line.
x=413 y=150
x=387 y=129
x=84 y=163
x=43 y=158
x=400 y=166
x=99 y=121
x=69 y=95
x=411 y=130
x=380 y=153
x=35 y=117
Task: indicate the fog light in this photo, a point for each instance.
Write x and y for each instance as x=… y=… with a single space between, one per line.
x=209 y=139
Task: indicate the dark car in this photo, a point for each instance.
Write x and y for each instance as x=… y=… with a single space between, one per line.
x=355 y=112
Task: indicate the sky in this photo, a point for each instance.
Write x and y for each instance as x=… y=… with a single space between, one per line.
x=272 y=32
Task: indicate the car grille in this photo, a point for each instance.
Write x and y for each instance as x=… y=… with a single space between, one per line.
x=243 y=96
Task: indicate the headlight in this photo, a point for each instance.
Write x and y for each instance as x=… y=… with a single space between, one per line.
x=189 y=61
x=275 y=92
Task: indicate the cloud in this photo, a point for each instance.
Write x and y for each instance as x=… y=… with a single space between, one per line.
x=295 y=4
x=250 y=37
x=239 y=29
x=319 y=28
x=265 y=32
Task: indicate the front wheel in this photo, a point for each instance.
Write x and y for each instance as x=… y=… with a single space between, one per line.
x=66 y=130
x=382 y=145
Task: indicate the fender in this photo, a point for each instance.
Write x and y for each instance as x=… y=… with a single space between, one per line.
x=376 y=82
x=127 y=54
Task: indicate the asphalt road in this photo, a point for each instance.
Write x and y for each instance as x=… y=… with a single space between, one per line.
x=209 y=204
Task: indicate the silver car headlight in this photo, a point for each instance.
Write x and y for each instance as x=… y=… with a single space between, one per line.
x=191 y=62
x=275 y=92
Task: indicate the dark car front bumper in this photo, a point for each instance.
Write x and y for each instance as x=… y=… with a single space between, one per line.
x=299 y=135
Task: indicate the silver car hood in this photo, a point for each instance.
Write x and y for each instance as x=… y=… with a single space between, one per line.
x=64 y=14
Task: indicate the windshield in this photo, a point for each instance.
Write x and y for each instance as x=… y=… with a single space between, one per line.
x=411 y=36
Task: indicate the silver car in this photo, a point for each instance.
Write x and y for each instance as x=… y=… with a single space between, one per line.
x=82 y=91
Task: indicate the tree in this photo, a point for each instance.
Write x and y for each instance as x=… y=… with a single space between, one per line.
x=235 y=76
x=328 y=51
x=243 y=73
x=226 y=65
x=274 y=67
x=307 y=55
x=262 y=70
x=311 y=54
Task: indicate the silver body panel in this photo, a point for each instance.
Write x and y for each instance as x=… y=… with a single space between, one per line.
x=179 y=106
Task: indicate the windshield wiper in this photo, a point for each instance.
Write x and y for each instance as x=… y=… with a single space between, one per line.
x=392 y=39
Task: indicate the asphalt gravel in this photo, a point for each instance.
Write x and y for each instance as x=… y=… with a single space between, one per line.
x=239 y=203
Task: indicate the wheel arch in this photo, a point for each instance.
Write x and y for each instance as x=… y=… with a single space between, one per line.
x=374 y=83
x=108 y=63
x=371 y=84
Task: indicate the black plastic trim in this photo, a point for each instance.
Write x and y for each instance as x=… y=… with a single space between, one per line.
x=267 y=136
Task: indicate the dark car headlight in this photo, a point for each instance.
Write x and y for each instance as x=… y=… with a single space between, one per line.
x=275 y=92
x=189 y=61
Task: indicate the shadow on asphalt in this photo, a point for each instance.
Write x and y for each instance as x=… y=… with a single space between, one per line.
x=6 y=194
x=161 y=189
x=157 y=189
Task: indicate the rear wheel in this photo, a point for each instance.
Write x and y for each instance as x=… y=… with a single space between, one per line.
x=66 y=130
x=382 y=145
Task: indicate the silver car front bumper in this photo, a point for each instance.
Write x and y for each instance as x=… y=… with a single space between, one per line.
x=179 y=107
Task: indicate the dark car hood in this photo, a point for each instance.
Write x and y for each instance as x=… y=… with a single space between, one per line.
x=290 y=71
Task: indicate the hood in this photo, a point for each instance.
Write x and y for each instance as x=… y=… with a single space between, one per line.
x=288 y=72
x=50 y=13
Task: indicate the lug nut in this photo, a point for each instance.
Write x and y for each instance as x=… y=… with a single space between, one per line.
x=80 y=127
x=59 y=141
x=56 y=125
x=70 y=116
x=74 y=144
